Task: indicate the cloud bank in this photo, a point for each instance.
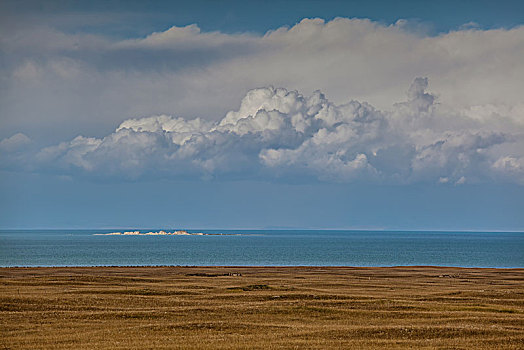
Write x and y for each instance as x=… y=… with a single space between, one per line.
x=324 y=111
x=77 y=83
x=279 y=134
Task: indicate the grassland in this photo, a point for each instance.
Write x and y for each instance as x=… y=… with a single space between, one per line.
x=261 y=308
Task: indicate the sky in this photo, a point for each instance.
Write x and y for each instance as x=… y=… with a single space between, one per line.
x=386 y=115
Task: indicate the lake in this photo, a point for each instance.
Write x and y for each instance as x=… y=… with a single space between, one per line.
x=263 y=248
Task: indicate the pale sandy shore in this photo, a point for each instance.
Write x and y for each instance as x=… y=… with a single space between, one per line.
x=261 y=308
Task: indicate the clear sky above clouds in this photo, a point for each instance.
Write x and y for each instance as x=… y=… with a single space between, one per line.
x=296 y=114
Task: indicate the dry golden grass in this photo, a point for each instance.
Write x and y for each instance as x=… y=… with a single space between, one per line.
x=263 y=308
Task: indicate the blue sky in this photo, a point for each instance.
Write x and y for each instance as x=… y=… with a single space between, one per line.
x=291 y=114
x=259 y=16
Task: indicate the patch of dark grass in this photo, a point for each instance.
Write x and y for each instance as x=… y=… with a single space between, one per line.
x=251 y=287
x=144 y=292
x=230 y=274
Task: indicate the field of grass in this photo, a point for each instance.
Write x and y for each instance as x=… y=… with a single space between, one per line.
x=261 y=308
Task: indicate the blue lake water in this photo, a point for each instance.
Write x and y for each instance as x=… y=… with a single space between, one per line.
x=263 y=248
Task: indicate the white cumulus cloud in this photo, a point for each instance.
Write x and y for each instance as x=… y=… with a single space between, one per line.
x=281 y=134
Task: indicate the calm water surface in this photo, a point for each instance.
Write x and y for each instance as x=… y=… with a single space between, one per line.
x=263 y=248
